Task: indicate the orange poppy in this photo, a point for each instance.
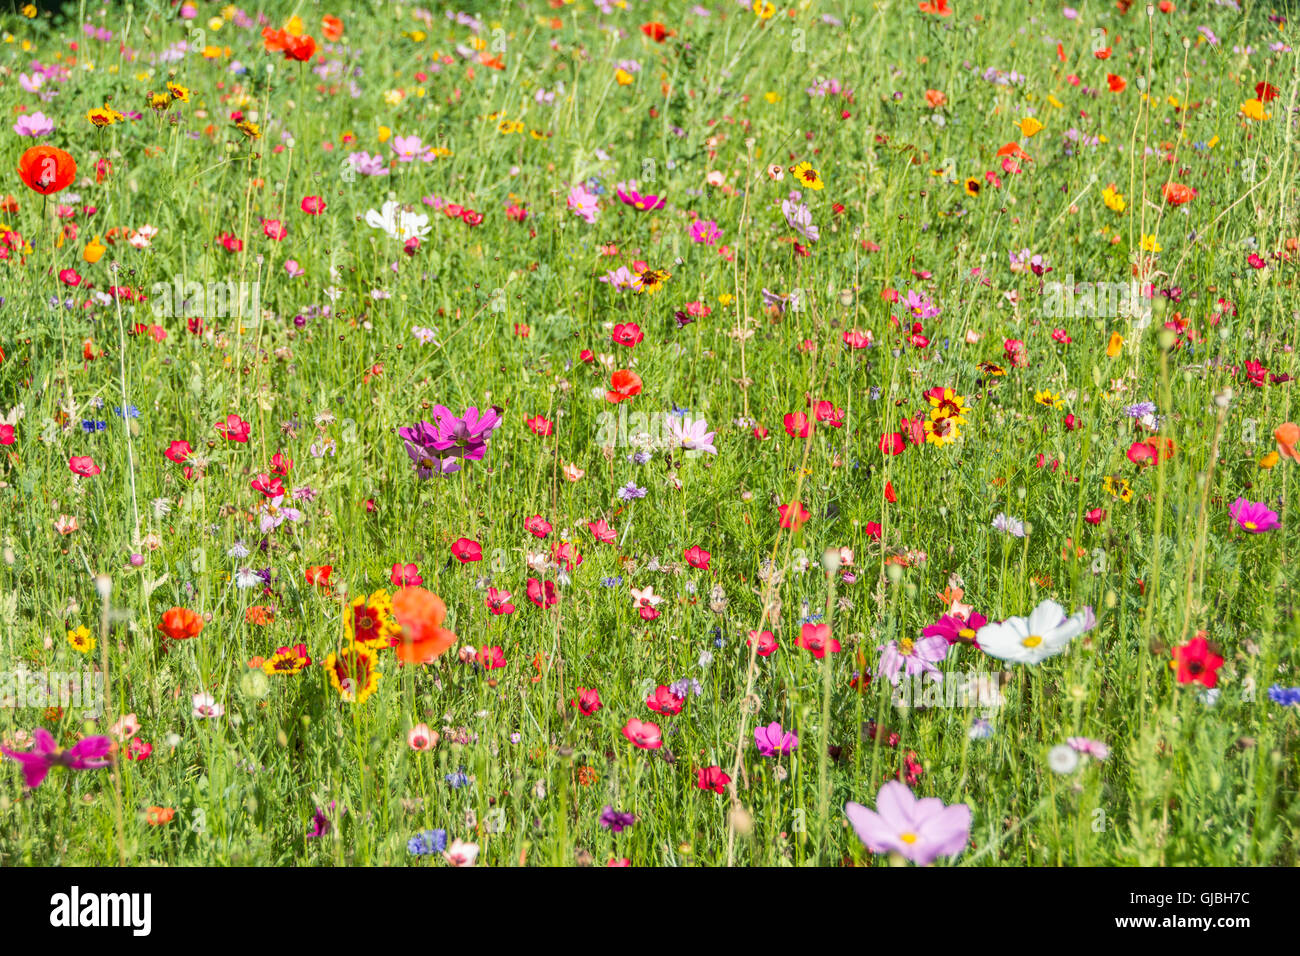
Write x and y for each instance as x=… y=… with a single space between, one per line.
x=319 y=575
x=1013 y=149
x=294 y=48
x=1116 y=83
x=47 y=169
x=623 y=385
x=1287 y=435
x=180 y=623
x=331 y=28
x=1176 y=194
x=938 y=7
x=157 y=816
x=421 y=614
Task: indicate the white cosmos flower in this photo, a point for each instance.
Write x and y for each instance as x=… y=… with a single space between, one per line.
x=1028 y=640
x=398 y=223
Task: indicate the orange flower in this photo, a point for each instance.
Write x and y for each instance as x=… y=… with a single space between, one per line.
x=259 y=615
x=1287 y=434
x=331 y=28
x=934 y=99
x=420 y=613
x=157 y=816
x=181 y=623
x=1116 y=83
x=939 y=7
x=319 y=575
x=47 y=169
x=294 y=48
x=1013 y=149
x=623 y=385
x=1176 y=194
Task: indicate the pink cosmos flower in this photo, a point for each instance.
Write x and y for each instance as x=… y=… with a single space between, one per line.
x=918 y=830
x=86 y=754
x=1253 y=516
x=917 y=656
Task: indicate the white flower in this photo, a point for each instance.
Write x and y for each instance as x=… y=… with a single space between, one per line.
x=1062 y=759
x=1012 y=526
x=399 y=224
x=1045 y=633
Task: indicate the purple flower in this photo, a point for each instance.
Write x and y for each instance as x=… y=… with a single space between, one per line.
x=1253 y=516
x=920 y=830
x=34 y=124
x=85 y=754
x=773 y=740
x=629 y=196
x=616 y=820
x=917 y=656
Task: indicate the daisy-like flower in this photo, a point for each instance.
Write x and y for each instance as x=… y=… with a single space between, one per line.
x=1049 y=398
x=919 y=830
x=1254 y=516
x=807 y=176
x=287 y=660
x=82 y=641
x=398 y=223
x=369 y=621
x=650 y=281
x=352 y=673
x=1028 y=640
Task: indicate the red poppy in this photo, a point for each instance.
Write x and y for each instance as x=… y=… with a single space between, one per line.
x=588 y=700
x=711 y=778
x=294 y=48
x=319 y=575
x=47 y=169
x=421 y=614
x=464 y=550
x=1116 y=83
x=657 y=31
x=1196 y=663
x=793 y=515
x=331 y=28
x=83 y=465
x=1176 y=193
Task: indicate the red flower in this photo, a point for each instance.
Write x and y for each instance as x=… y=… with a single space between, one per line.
x=664 y=701
x=464 y=550
x=697 y=557
x=180 y=623
x=542 y=594
x=319 y=575
x=313 y=205
x=1196 y=663
x=766 y=643
x=178 y=451
x=490 y=658
x=588 y=701
x=711 y=778
x=1095 y=516
x=83 y=465
x=798 y=425
x=537 y=526
x=793 y=515
x=628 y=333
x=657 y=31
x=235 y=428
x=1176 y=193
x=643 y=733
x=816 y=638
x=538 y=425
x=891 y=443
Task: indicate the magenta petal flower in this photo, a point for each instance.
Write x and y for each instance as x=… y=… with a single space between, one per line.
x=919 y=830
x=1253 y=516
x=773 y=740
x=86 y=754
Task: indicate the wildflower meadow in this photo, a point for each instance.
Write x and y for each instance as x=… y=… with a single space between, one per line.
x=639 y=433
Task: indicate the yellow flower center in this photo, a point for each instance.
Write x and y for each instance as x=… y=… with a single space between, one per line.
x=1033 y=640
x=1250 y=526
x=966 y=632
x=908 y=838
x=905 y=647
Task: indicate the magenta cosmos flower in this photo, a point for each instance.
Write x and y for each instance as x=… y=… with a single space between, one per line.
x=87 y=754
x=774 y=740
x=1253 y=516
x=919 y=830
x=628 y=194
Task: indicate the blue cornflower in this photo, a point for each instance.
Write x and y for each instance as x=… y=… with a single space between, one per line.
x=612 y=582
x=1140 y=409
x=457 y=779
x=90 y=427
x=427 y=843
x=630 y=492
x=131 y=411
x=1286 y=696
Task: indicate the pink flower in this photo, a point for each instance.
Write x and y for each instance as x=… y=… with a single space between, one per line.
x=537 y=526
x=543 y=595
x=588 y=701
x=498 y=602
x=420 y=737
x=404 y=575
x=235 y=428
x=83 y=466
x=643 y=734
x=664 y=701
x=816 y=638
x=918 y=830
x=766 y=642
